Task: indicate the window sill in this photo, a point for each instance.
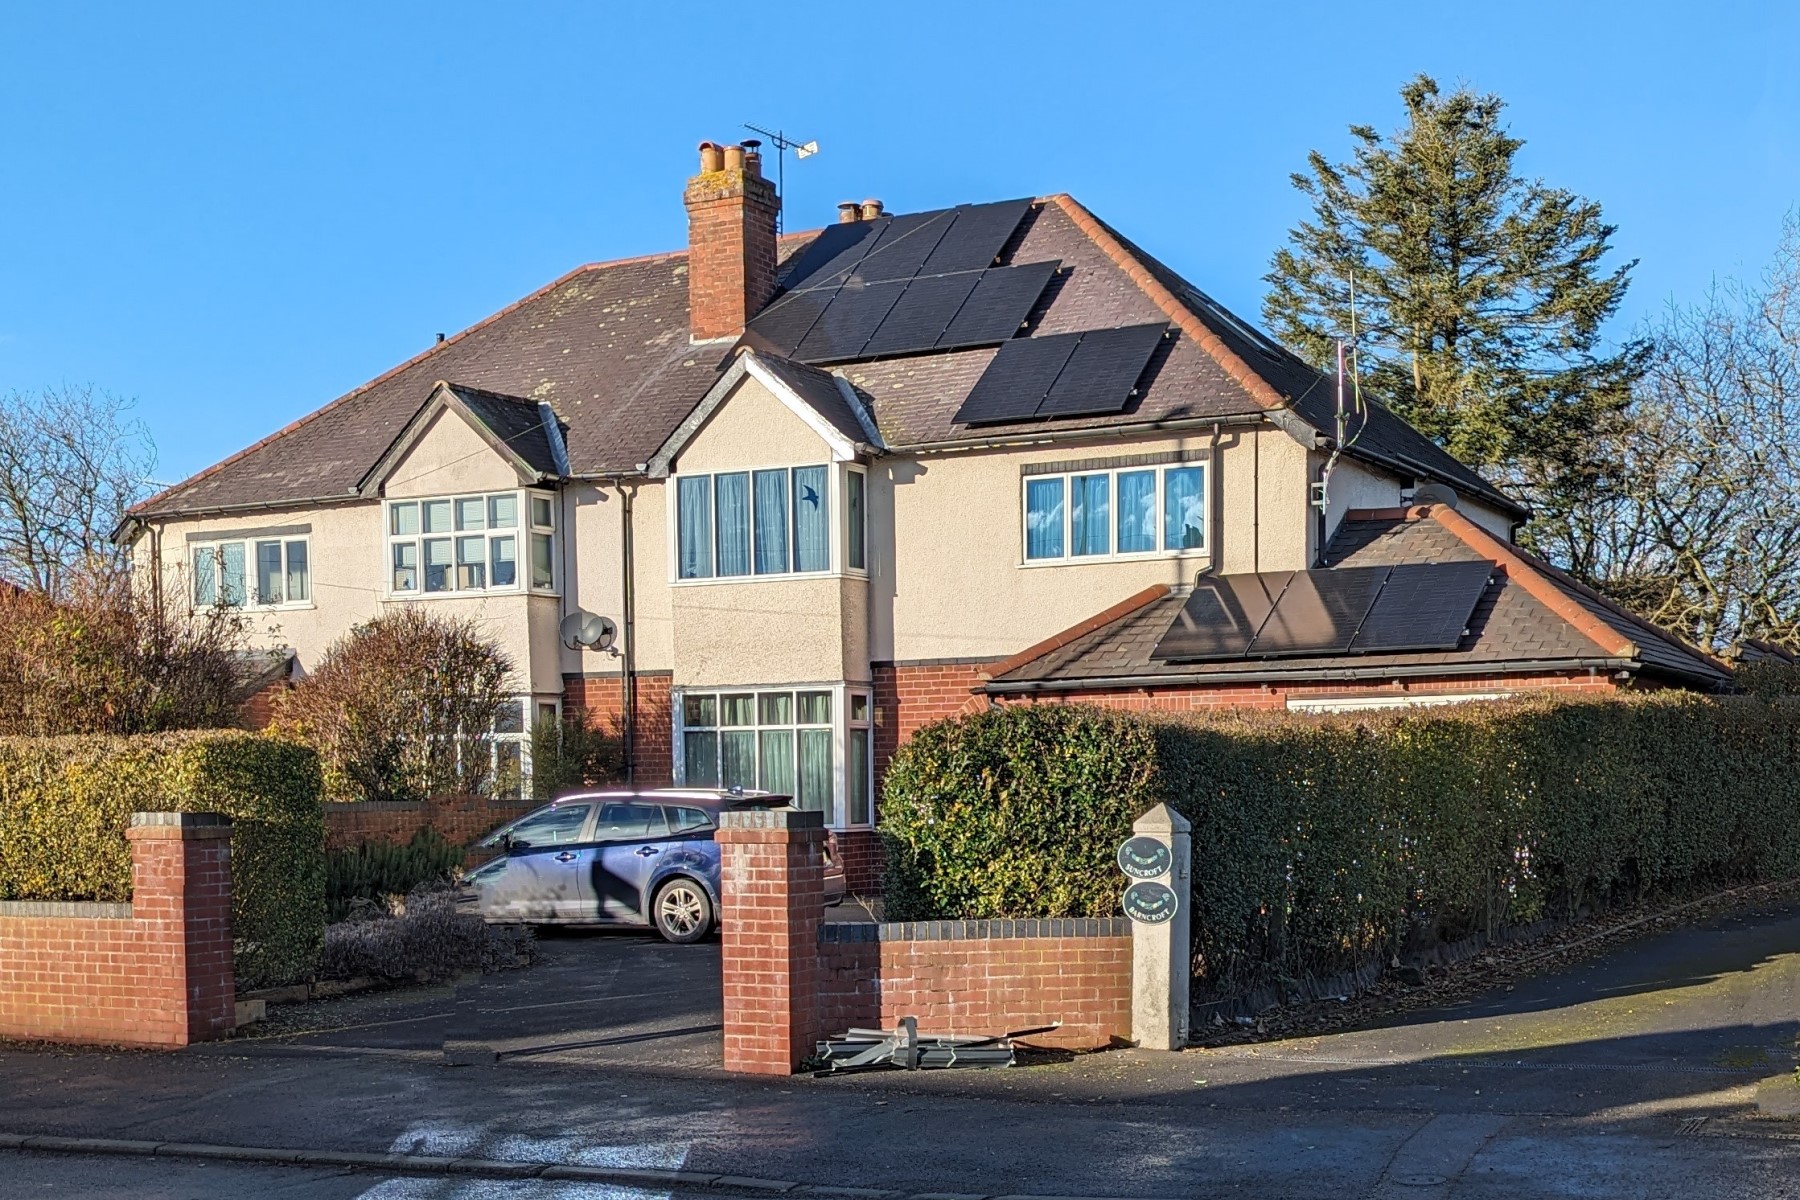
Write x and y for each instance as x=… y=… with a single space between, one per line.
x=1101 y=560
x=254 y=609
x=785 y=577
x=494 y=593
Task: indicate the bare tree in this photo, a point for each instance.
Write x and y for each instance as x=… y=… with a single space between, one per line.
x=71 y=460
x=1697 y=522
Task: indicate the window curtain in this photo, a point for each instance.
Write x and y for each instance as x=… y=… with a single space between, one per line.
x=1184 y=508
x=693 y=519
x=854 y=493
x=1090 y=518
x=815 y=771
x=812 y=520
x=771 y=488
x=1137 y=512
x=206 y=576
x=777 y=749
x=731 y=503
x=231 y=573
x=1044 y=518
x=857 y=773
x=737 y=758
x=700 y=750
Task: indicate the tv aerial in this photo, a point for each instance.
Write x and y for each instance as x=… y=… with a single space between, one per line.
x=783 y=143
x=586 y=631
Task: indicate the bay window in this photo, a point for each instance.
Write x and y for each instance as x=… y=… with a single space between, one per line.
x=467 y=544
x=796 y=742
x=773 y=521
x=271 y=572
x=1115 y=513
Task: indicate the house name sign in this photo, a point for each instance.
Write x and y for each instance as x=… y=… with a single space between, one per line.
x=1147 y=861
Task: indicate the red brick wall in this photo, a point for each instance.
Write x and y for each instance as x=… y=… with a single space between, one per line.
x=157 y=972
x=860 y=852
x=772 y=896
x=911 y=695
x=964 y=981
x=460 y=819
x=601 y=698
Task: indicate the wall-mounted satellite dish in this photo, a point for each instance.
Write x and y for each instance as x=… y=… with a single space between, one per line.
x=1435 y=493
x=586 y=631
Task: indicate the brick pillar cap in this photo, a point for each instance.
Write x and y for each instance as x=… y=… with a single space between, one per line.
x=771 y=818
x=179 y=825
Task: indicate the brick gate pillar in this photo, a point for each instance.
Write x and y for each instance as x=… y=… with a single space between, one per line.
x=772 y=897
x=181 y=882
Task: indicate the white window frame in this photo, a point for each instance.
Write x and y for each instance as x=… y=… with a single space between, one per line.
x=836 y=816
x=838 y=524
x=1069 y=558
x=252 y=598
x=525 y=532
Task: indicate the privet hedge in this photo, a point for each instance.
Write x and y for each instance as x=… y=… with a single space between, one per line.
x=65 y=804
x=1320 y=840
x=374 y=870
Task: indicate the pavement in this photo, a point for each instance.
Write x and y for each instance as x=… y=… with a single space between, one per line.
x=1631 y=1075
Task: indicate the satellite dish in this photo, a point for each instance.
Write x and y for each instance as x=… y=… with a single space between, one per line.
x=1435 y=493
x=586 y=631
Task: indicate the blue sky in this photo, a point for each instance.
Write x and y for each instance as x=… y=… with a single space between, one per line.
x=235 y=213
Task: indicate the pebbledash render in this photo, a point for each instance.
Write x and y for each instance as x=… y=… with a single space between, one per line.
x=835 y=485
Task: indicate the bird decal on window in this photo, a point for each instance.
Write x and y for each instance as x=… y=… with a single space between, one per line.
x=809 y=494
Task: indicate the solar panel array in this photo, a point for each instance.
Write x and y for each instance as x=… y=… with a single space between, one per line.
x=1062 y=375
x=903 y=285
x=1343 y=610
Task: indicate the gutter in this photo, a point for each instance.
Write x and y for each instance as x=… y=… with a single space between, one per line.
x=1314 y=674
x=1080 y=435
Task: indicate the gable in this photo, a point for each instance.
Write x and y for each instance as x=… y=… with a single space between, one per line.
x=447 y=456
x=751 y=427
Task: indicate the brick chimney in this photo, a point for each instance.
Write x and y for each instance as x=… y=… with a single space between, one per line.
x=731 y=240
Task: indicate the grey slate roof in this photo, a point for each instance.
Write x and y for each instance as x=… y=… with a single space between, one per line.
x=1510 y=629
x=821 y=392
x=521 y=424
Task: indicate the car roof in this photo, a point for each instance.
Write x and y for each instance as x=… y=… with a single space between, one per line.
x=701 y=797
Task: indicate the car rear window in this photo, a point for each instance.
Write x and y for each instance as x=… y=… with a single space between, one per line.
x=688 y=820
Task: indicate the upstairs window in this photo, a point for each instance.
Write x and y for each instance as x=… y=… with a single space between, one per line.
x=1124 y=513
x=467 y=544
x=769 y=522
x=260 y=572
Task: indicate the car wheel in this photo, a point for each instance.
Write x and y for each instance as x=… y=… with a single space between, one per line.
x=682 y=910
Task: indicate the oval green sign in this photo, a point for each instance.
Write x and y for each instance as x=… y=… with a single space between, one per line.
x=1144 y=858
x=1150 y=902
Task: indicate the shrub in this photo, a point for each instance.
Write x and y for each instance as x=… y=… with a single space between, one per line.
x=569 y=754
x=107 y=658
x=65 y=804
x=377 y=869
x=399 y=708
x=429 y=941
x=1320 y=840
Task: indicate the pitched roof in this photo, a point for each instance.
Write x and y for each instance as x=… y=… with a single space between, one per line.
x=608 y=348
x=1537 y=619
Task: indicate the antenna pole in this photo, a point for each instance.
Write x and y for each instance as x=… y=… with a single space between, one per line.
x=782 y=143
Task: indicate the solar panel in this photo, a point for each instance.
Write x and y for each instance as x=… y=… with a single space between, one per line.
x=1018 y=379
x=854 y=314
x=998 y=306
x=827 y=260
x=1103 y=371
x=929 y=303
x=1221 y=617
x=1319 y=612
x=903 y=246
x=787 y=320
x=981 y=231
x=1423 y=606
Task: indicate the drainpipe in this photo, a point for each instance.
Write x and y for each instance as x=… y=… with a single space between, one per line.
x=628 y=637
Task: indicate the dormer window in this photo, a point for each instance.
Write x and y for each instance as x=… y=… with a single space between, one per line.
x=460 y=545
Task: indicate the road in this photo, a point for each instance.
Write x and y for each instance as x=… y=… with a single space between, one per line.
x=1632 y=1075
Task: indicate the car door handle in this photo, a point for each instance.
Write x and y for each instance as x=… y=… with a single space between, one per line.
x=647 y=851
x=566 y=856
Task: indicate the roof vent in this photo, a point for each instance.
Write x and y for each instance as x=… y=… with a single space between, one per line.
x=1435 y=493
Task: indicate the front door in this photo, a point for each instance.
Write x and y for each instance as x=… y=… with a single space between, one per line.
x=631 y=838
x=542 y=880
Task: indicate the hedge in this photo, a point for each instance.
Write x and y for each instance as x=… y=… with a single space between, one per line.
x=1319 y=841
x=65 y=803
x=374 y=870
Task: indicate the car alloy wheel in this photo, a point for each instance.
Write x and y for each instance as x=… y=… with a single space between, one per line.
x=683 y=912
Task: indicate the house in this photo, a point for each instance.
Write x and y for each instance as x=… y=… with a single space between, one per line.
x=833 y=485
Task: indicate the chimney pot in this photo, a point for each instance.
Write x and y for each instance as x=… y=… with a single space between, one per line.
x=734 y=158
x=753 y=156
x=849 y=212
x=871 y=209
x=709 y=157
x=732 y=249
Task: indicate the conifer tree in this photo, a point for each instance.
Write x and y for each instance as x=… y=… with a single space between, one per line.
x=1480 y=295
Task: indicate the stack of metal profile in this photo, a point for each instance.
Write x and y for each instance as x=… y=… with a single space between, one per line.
x=907 y=1049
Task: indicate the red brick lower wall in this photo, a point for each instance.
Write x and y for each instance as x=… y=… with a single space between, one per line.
x=860 y=850
x=601 y=699
x=460 y=819
x=976 y=978
x=155 y=972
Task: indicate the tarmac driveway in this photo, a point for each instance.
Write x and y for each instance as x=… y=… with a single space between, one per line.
x=604 y=997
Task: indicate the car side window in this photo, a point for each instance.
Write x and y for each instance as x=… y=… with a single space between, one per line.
x=688 y=820
x=552 y=827
x=631 y=822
